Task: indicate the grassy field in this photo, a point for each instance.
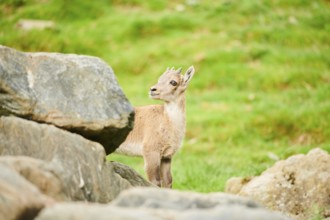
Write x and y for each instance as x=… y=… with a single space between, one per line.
x=261 y=91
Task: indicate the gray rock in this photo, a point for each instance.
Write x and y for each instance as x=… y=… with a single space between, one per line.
x=19 y=199
x=41 y=174
x=175 y=200
x=298 y=186
x=232 y=212
x=79 y=163
x=153 y=203
x=74 y=92
x=83 y=211
x=129 y=174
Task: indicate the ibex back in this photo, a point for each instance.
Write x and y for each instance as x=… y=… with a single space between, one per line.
x=159 y=129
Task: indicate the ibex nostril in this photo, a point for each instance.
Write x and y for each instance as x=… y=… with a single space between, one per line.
x=153 y=89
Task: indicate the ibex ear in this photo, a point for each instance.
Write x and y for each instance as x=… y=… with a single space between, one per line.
x=188 y=76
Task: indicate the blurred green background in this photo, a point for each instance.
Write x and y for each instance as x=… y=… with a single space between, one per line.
x=261 y=91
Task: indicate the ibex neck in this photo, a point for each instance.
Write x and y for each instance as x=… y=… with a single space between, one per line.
x=176 y=110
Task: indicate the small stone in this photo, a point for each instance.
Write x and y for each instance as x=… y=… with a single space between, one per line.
x=30 y=24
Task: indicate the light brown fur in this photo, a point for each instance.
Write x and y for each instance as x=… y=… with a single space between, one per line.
x=159 y=129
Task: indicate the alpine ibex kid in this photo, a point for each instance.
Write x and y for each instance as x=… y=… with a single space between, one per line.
x=159 y=129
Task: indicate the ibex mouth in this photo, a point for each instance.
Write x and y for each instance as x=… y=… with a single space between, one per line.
x=153 y=95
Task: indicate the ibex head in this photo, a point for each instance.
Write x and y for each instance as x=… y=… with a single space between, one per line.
x=171 y=84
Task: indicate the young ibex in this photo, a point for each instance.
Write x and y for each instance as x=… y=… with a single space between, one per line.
x=159 y=129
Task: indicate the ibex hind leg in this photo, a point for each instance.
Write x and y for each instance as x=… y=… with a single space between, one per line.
x=152 y=167
x=165 y=172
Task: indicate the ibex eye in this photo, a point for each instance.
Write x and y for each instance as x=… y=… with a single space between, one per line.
x=173 y=83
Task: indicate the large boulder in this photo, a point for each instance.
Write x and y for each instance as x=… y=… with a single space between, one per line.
x=298 y=186
x=19 y=199
x=78 y=163
x=152 y=203
x=74 y=92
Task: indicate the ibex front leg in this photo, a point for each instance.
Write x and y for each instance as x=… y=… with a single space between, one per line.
x=152 y=167
x=165 y=172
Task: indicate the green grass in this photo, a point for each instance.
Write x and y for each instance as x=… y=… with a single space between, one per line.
x=262 y=82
